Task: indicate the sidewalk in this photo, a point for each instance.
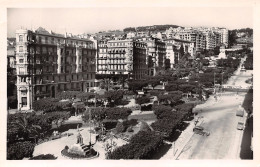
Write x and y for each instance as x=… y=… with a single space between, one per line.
x=178 y=146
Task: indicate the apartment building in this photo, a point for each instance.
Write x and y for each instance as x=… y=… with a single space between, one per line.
x=213 y=39
x=48 y=62
x=172 y=53
x=122 y=57
x=189 y=47
x=197 y=37
x=156 y=55
x=223 y=35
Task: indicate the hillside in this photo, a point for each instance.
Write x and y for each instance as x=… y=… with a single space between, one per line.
x=154 y=28
x=243 y=35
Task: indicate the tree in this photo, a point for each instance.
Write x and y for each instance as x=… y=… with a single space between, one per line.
x=171 y=87
x=67 y=94
x=137 y=85
x=85 y=95
x=141 y=146
x=181 y=51
x=216 y=50
x=186 y=88
x=27 y=129
x=19 y=150
x=142 y=100
x=114 y=95
x=50 y=105
x=58 y=117
x=232 y=38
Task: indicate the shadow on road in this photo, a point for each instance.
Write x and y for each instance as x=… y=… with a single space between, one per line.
x=246 y=152
x=161 y=151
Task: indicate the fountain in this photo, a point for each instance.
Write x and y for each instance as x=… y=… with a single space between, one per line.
x=79 y=150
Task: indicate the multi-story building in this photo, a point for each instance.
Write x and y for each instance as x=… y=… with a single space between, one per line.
x=172 y=53
x=122 y=57
x=11 y=61
x=197 y=37
x=48 y=63
x=223 y=35
x=156 y=55
x=189 y=47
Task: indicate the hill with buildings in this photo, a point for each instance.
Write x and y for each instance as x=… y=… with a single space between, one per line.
x=154 y=28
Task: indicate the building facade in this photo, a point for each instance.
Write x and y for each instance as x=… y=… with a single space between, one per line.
x=122 y=57
x=197 y=37
x=156 y=55
x=48 y=63
x=189 y=47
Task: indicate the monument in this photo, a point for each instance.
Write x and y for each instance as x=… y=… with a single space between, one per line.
x=222 y=52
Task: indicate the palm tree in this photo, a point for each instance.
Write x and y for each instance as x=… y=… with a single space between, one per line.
x=28 y=129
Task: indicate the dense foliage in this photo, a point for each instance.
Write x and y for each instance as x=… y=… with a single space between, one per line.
x=114 y=96
x=171 y=98
x=67 y=94
x=169 y=118
x=137 y=85
x=58 y=117
x=122 y=126
x=51 y=104
x=141 y=146
x=113 y=113
x=19 y=150
x=142 y=100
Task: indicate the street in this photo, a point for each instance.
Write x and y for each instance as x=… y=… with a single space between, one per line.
x=219 y=117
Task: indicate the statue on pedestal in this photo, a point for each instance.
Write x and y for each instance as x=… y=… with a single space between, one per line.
x=79 y=139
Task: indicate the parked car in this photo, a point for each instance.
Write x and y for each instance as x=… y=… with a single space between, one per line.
x=200 y=130
x=240 y=126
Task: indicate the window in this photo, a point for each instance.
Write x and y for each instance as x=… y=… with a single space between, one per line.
x=20 y=38
x=40 y=39
x=21 y=70
x=24 y=101
x=20 y=60
x=20 y=48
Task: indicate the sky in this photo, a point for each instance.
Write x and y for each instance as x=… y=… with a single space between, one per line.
x=91 y=20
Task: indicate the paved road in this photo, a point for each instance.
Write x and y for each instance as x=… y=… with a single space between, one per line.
x=219 y=117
